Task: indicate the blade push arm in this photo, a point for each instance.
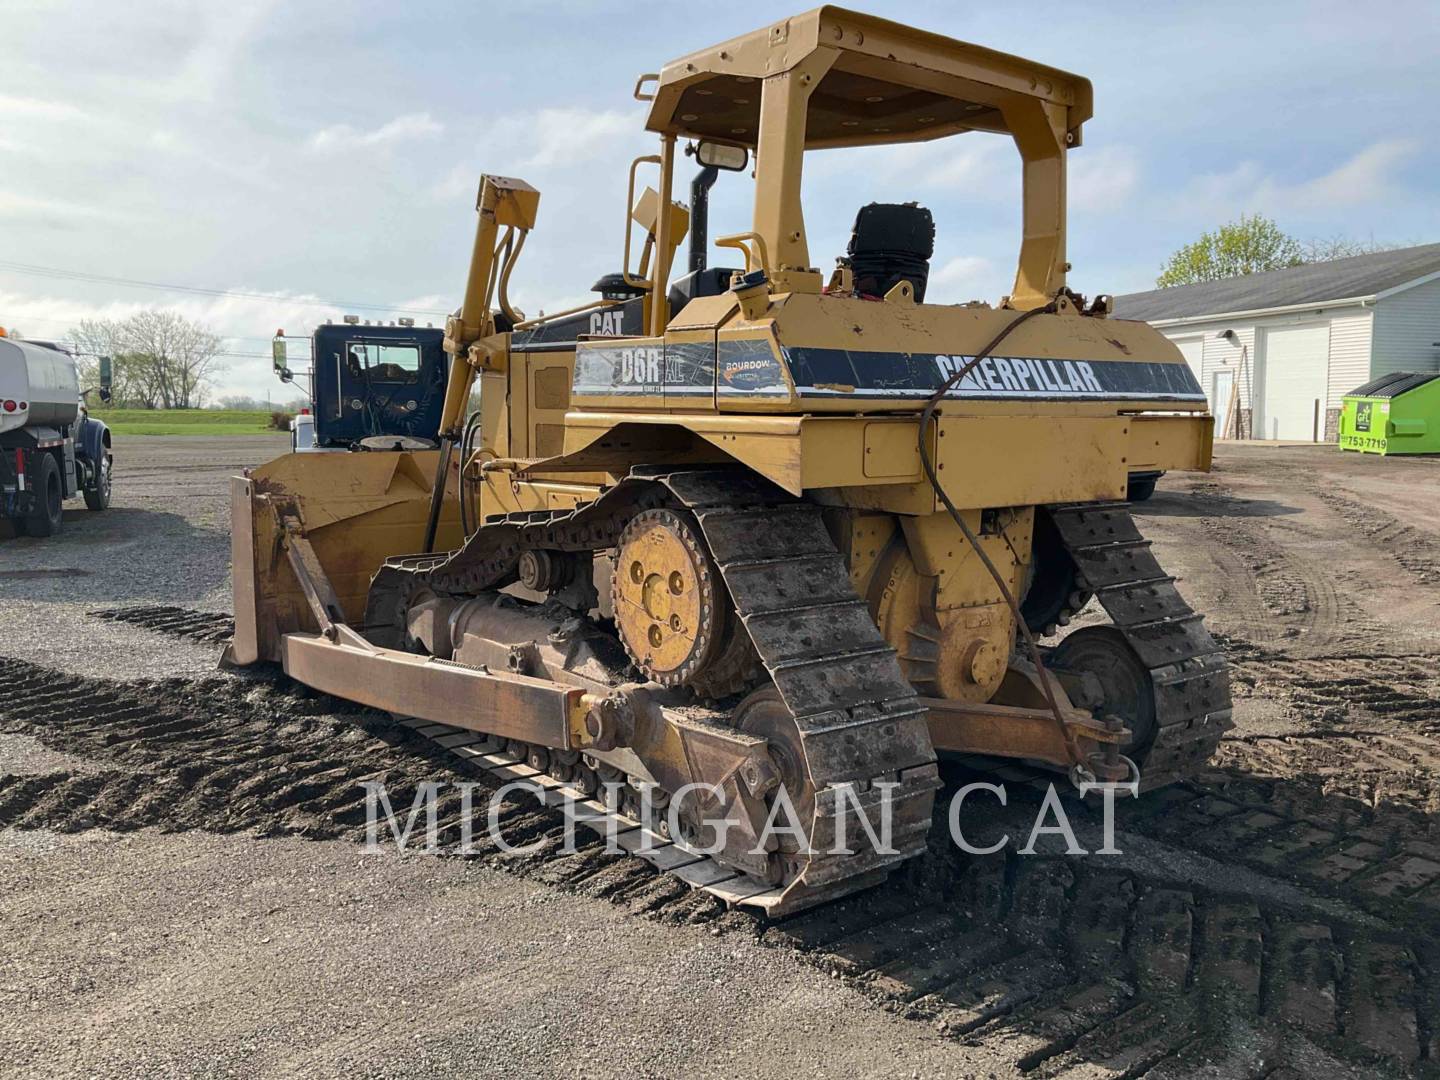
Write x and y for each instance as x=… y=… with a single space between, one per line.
x=503 y=202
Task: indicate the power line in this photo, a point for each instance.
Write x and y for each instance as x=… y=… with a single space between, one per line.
x=33 y=270
x=22 y=321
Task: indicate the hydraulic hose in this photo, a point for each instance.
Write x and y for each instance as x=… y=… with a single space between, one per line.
x=927 y=420
x=466 y=491
x=437 y=493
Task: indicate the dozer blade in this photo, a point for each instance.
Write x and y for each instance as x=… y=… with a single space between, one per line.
x=354 y=509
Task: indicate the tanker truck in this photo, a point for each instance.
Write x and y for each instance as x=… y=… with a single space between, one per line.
x=51 y=449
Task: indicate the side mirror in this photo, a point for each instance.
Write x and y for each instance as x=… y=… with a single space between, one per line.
x=277 y=352
x=721 y=156
x=106 y=378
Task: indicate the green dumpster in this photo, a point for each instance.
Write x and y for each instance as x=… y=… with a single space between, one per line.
x=1397 y=413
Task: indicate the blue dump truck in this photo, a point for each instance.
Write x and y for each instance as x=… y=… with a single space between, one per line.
x=50 y=448
x=372 y=386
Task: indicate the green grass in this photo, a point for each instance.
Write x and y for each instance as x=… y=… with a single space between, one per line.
x=185 y=421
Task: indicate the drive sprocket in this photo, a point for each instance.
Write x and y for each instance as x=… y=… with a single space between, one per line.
x=668 y=597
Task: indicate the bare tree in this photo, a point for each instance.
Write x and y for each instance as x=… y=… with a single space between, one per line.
x=160 y=358
x=1339 y=246
x=182 y=355
x=131 y=384
x=242 y=402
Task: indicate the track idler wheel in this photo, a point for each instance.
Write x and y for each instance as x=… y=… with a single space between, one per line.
x=668 y=597
x=764 y=714
x=1127 y=690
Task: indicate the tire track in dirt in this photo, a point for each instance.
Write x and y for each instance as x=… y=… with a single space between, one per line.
x=1337 y=689
x=1356 y=817
x=1417 y=552
x=1070 y=966
x=1285 y=595
x=203 y=626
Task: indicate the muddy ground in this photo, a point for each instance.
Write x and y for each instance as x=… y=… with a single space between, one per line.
x=183 y=891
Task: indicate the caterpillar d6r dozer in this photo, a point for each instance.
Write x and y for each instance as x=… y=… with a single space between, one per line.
x=783 y=534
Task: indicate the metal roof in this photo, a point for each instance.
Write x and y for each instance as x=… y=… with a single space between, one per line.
x=1394 y=384
x=1313 y=283
x=879 y=82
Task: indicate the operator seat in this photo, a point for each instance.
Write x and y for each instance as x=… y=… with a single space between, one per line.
x=891 y=243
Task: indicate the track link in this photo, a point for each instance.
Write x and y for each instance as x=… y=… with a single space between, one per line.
x=1187 y=666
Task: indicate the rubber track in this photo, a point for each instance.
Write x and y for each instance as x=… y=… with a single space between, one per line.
x=1187 y=666
x=206 y=626
x=1065 y=967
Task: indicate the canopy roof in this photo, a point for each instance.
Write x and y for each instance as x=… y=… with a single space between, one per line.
x=889 y=83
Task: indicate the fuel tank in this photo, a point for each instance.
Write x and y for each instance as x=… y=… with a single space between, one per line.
x=41 y=381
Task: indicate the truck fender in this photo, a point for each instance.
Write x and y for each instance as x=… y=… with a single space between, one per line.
x=93 y=440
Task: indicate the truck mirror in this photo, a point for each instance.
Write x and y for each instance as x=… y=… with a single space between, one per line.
x=721 y=156
x=106 y=371
x=277 y=352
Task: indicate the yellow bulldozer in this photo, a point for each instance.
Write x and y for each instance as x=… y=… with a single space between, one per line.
x=783 y=534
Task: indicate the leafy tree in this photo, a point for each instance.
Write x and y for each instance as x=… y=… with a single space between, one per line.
x=1248 y=246
x=161 y=360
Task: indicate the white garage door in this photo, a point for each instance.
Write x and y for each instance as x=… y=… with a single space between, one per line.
x=1297 y=362
x=1193 y=349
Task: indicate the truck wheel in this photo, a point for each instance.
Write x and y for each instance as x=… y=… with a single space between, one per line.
x=98 y=497
x=49 y=508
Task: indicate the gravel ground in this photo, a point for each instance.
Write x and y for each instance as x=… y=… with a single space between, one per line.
x=148 y=954
x=164 y=540
x=202 y=955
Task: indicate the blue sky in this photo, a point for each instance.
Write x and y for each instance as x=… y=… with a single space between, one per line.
x=303 y=150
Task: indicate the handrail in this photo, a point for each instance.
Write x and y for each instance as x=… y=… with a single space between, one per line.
x=634 y=282
x=641 y=82
x=737 y=241
x=540 y=319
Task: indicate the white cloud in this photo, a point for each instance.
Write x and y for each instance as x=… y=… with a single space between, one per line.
x=1103 y=178
x=567 y=136
x=458 y=180
x=564 y=137
x=224 y=37
x=246 y=324
x=13 y=205
x=344 y=137
x=965 y=277
x=37 y=108
x=1367 y=178
x=978 y=165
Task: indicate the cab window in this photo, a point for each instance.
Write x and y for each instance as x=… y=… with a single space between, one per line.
x=385 y=363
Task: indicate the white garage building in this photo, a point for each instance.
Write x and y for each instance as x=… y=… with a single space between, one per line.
x=1282 y=348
